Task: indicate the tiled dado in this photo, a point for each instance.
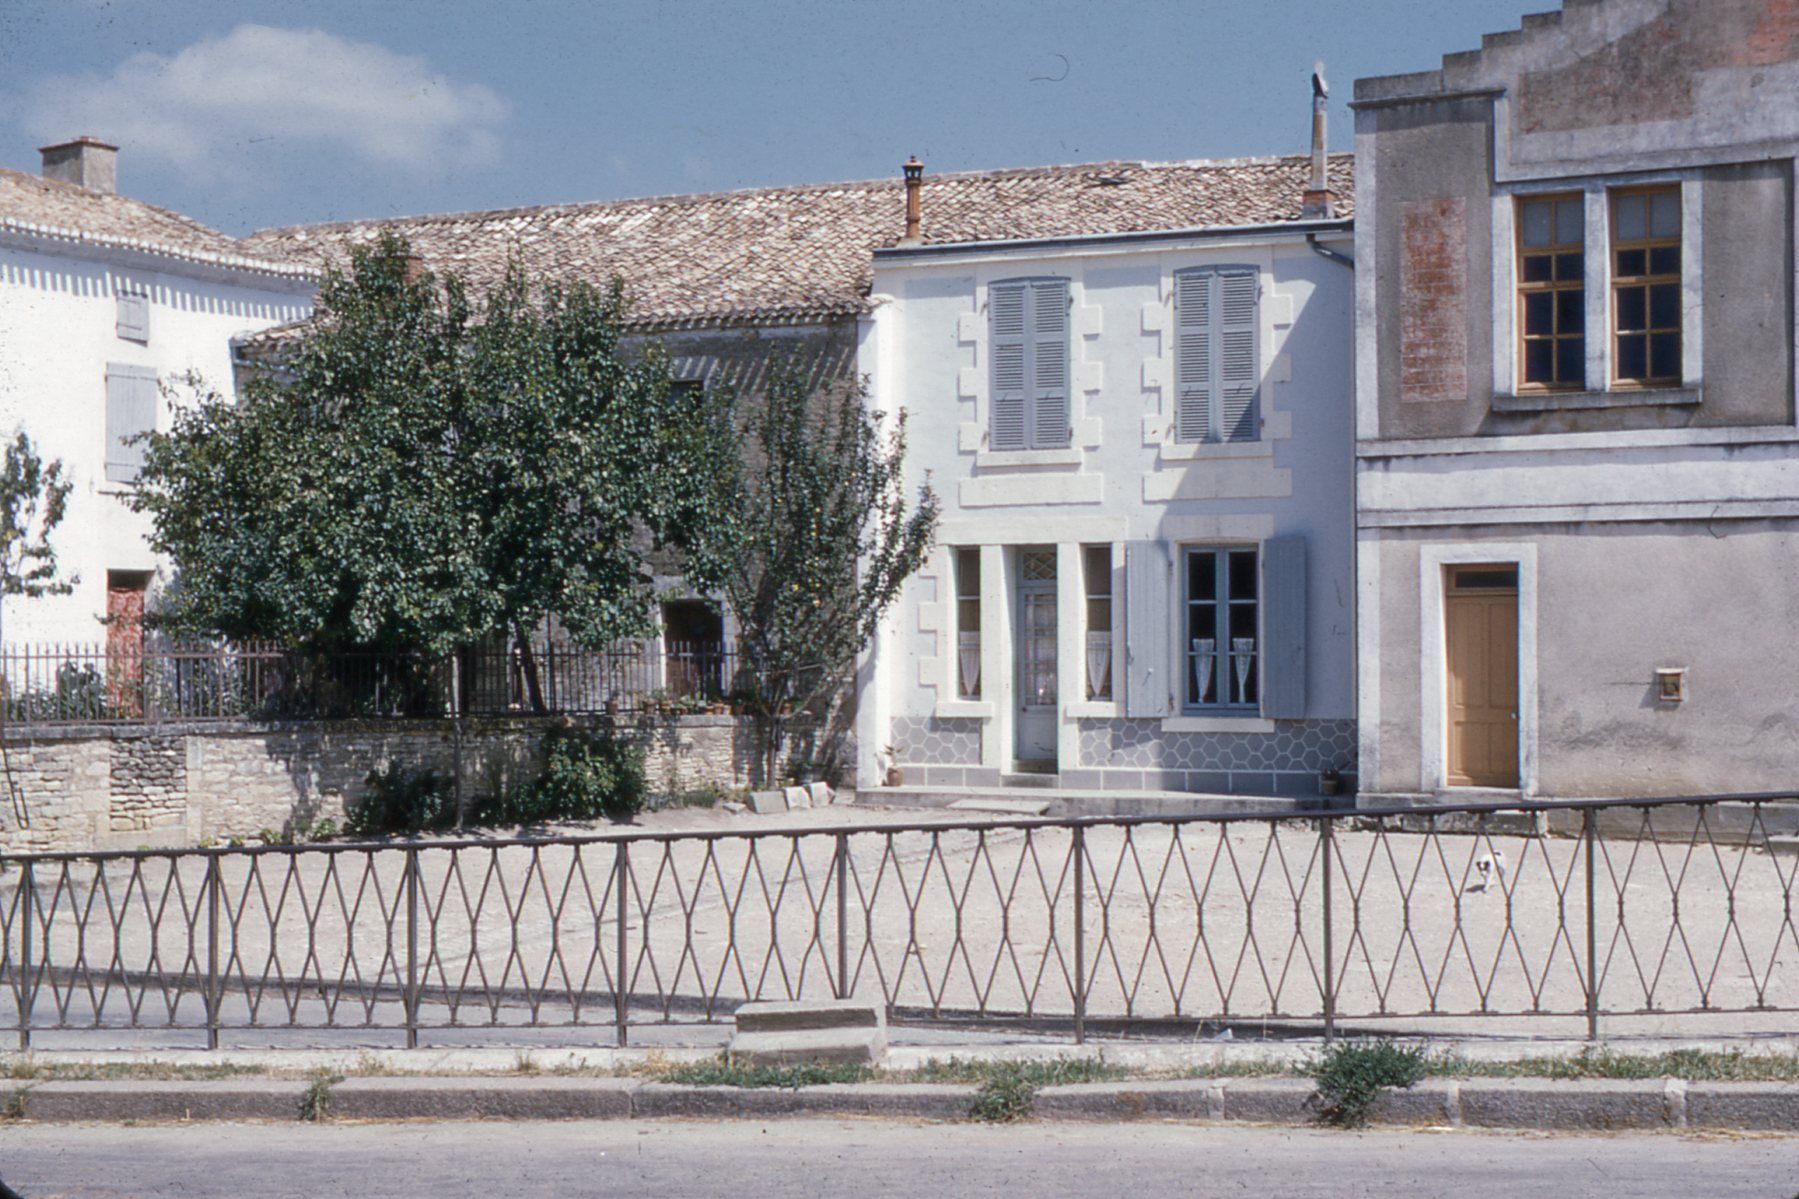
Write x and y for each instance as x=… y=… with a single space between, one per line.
x=1296 y=746
x=930 y=741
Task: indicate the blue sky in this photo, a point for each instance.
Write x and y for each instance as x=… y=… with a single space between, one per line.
x=271 y=112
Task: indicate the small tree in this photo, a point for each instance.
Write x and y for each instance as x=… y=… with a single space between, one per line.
x=34 y=497
x=811 y=539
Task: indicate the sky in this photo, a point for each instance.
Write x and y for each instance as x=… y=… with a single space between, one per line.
x=259 y=113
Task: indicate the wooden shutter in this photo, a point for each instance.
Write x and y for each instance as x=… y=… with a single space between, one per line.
x=1006 y=345
x=1195 y=381
x=1150 y=668
x=1049 y=365
x=130 y=410
x=1284 y=628
x=134 y=316
x=1239 y=371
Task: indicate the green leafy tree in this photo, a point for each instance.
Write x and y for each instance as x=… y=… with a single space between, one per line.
x=812 y=537
x=34 y=497
x=423 y=471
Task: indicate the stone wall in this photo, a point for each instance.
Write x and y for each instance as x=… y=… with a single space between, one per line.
x=120 y=788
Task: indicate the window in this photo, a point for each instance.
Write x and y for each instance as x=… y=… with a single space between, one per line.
x=133 y=323
x=1217 y=372
x=1552 y=293
x=1222 y=629
x=1028 y=344
x=130 y=413
x=1646 y=287
x=1096 y=569
x=968 y=622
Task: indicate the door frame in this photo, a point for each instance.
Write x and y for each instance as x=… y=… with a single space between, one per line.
x=1433 y=657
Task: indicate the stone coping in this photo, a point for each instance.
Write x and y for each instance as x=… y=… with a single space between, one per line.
x=439 y=725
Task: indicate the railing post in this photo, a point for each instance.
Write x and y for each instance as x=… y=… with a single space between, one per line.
x=1327 y=842
x=843 y=908
x=27 y=985
x=212 y=949
x=621 y=881
x=1080 y=937
x=1590 y=839
x=412 y=948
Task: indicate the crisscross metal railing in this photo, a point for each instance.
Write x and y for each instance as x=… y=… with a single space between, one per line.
x=1664 y=909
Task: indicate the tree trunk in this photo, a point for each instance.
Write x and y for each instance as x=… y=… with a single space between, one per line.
x=527 y=661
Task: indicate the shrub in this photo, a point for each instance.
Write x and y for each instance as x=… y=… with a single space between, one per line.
x=402 y=799
x=1352 y=1074
x=1006 y=1097
x=585 y=775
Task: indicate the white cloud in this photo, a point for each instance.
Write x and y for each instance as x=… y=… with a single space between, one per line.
x=204 y=109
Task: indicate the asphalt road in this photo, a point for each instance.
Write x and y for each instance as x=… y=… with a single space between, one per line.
x=867 y=1159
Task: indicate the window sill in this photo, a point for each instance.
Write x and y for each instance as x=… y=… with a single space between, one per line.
x=1188 y=451
x=1578 y=401
x=963 y=709
x=1002 y=458
x=1217 y=724
x=1100 y=709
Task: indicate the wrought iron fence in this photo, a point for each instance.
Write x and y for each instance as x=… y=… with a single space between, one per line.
x=88 y=684
x=1667 y=909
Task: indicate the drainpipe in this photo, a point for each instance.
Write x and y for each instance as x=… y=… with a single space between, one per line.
x=1325 y=251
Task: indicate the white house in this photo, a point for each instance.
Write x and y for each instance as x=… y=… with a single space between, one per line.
x=1135 y=398
x=107 y=306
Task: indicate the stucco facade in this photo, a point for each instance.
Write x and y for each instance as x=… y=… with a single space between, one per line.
x=1637 y=510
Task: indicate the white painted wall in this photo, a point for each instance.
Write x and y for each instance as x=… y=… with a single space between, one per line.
x=58 y=312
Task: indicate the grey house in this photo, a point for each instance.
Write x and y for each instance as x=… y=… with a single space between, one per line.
x=1577 y=461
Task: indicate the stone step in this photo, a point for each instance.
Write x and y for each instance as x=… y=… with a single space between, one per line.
x=818 y=1046
x=1030 y=778
x=787 y=1016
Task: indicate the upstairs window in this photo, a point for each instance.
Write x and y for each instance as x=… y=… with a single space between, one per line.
x=133 y=318
x=1552 y=293
x=1646 y=287
x=131 y=395
x=1028 y=344
x=1217 y=371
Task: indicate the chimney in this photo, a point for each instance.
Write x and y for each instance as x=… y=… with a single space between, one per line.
x=914 y=171
x=1320 y=201
x=86 y=162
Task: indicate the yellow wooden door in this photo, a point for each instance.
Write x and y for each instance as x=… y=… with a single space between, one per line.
x=1482 y=639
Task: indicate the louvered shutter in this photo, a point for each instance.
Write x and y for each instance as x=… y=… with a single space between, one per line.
x=1239 y=373
x=133 y=321
x=1049 y=365
x=1006 y=340
x=1196 y=386
x=1150 y=669
x=1284 y=628
x=130 y=410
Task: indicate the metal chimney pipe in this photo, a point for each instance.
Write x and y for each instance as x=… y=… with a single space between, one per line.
x=914 y=172
x=1320 y=201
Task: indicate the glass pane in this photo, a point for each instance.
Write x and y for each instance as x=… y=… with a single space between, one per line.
x=1630 y=263
x=1537 y=268
x=1665 y=261
x=1571 y=361
x=1243 y=574
x=1664 y=214
x=968 y=572
x=1570 y=311
x=1633 y=357
x=1039 y=565
x=1538 y=219
x=1633 y=218
x=1664 y=306
x=1099 y=616
x=1202 y=583
x=968 y=616
x=1570 y=223
x=1539 y=313
x=1539 y=361
x=1099 y=569
x=1570 y=267
x=1631 y=309
x=1664 y=355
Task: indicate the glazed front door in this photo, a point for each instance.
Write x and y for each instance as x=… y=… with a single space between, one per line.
x=1037 y=683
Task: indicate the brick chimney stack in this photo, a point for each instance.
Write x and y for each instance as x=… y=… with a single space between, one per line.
x=86 y=162
x=1320 y=201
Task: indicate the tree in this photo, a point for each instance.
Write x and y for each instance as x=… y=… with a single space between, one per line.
x=422 y=471
x=811 y=540
x=34 y=497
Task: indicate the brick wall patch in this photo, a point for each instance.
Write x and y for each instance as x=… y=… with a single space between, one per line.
x=1433 y=306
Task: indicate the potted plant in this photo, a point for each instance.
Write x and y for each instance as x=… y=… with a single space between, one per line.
x=894 y=776
x=1330 y=781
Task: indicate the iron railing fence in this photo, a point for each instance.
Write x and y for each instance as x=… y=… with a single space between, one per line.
x=1577 y=911
x=45 y=685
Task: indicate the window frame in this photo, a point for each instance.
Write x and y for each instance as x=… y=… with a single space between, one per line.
x=1031 y=443
x=966 y=586
x=1220 y=555
x=1521 y=288
x=1617 y=282
x=1092 y=595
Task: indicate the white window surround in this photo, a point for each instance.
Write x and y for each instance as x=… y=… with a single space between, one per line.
x=1217 y=724
x=1433 y=663
x=1597 y=196
x=1003 y=458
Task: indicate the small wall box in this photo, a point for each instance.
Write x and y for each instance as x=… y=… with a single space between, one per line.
x=1671 y=684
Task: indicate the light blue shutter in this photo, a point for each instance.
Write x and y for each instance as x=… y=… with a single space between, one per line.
x=1284 y=628
x=1239 y=374
x=1195 y=384
x=1006 y=346
x=1150 y=668
x=130 y=410
x=1049 y=365
x=133 y=321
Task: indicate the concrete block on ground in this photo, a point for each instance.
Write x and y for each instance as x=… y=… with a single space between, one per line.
x=796 y=1016
x=1271 y=1100
x=820 y=1047
x=452 y=1098
x=1431 y=1103
x=821 y=794
x=1582 y=1103
x=1185 y=1099
x=764 y=802
x=1753 y=1106
x=797 y=797
x=1003 y=807
x=235 y=1099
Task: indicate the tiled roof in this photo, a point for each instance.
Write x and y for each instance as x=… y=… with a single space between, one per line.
x=800 y=254
x=50 y=209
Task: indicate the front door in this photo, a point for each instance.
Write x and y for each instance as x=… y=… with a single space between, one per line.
x=1037 y=689
x=1481 y=635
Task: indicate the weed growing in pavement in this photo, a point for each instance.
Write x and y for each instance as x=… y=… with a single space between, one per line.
x=315 y=1101
x=14 y=1108
x=724 y=1072
x=1352 y=1074
x=1005 y=1098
